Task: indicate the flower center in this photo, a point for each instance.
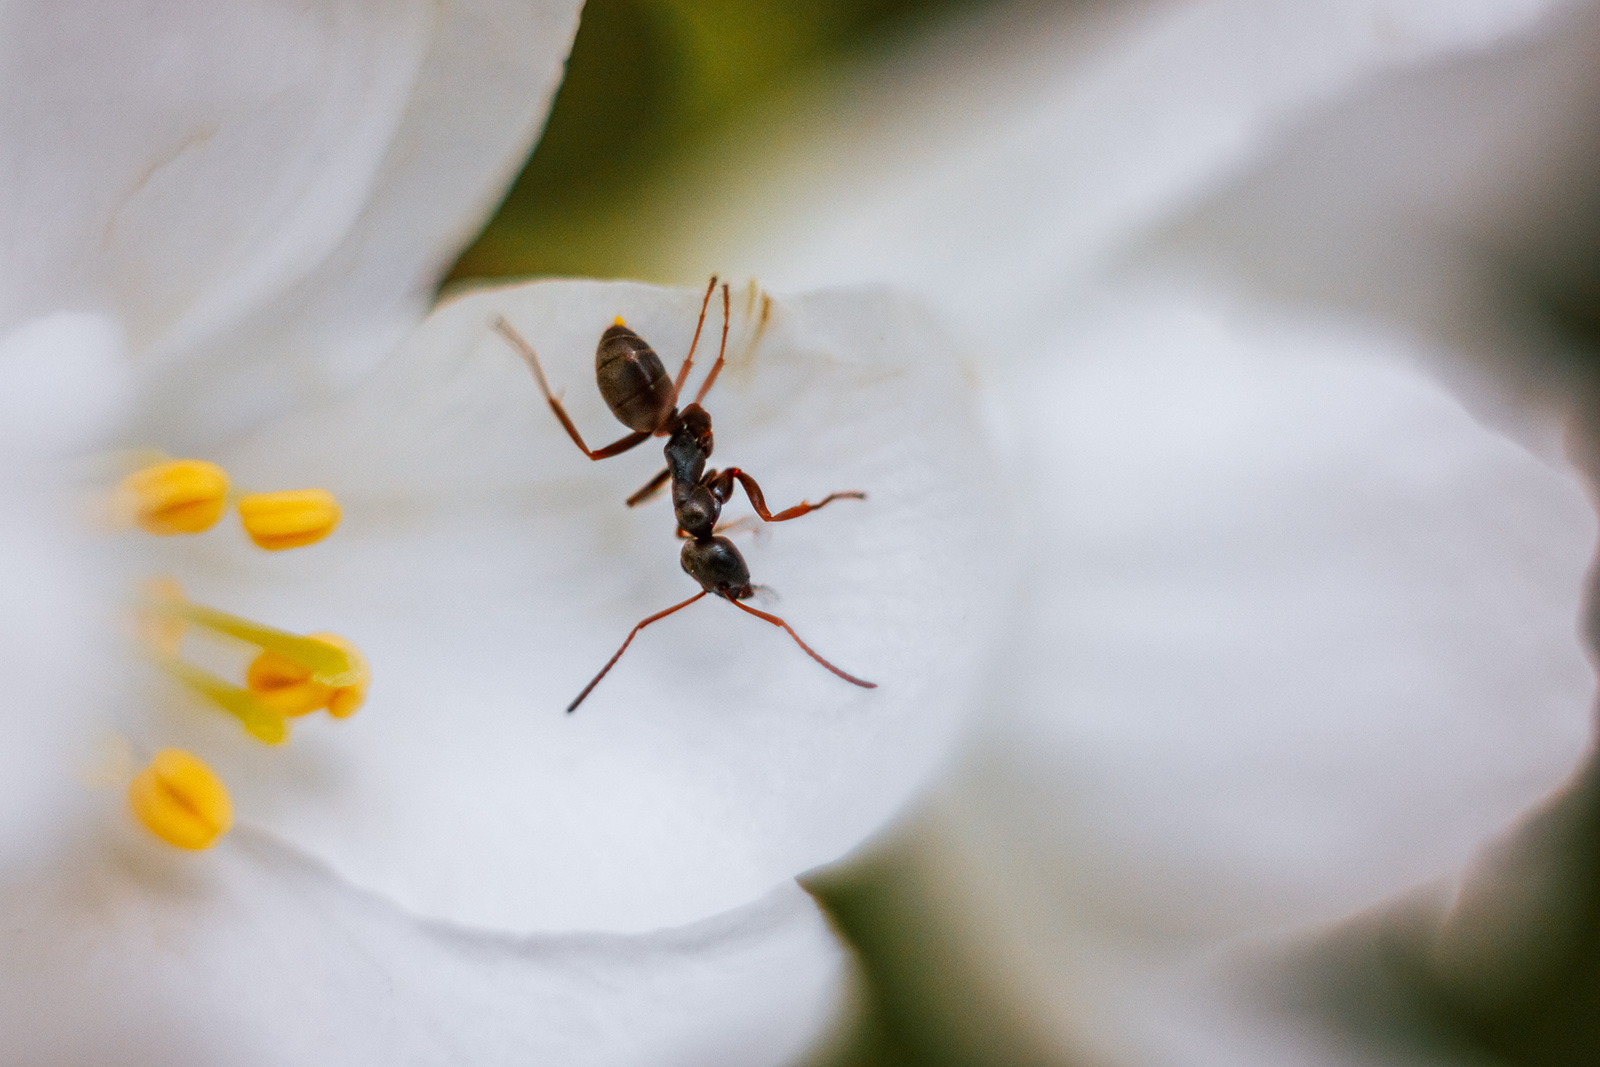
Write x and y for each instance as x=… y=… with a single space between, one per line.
x=177 y=797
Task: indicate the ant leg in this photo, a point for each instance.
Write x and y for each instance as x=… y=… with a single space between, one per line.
x=722 y=352
x=774 y=620
x=612 y=662
x=688 y=361
x=525 y=350
x=739 y=525
x=723 y=488
x=649 y=489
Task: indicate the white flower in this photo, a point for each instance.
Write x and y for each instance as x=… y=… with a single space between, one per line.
x=246 y=206
x=1302 y=633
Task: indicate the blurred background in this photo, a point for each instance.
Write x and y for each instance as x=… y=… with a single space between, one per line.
x=649 y=84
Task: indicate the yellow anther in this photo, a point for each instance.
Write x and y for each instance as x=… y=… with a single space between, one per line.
x=179 y=497
x=619 y=321
x=180 y=800
x=285 y=686
x=288 y=688
x=289 y=520
x=348 y=698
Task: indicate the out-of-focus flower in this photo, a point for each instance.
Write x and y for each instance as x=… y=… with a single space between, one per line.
x=1301 y=633
x=221 y=222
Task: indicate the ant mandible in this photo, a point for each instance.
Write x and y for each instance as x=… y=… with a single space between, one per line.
x=633 y=381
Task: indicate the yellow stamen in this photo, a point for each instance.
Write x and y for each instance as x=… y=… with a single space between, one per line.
x=330 y=664
x=288 y=688
x=179 y=497
x=347 y=699
x=180 y=800
x=618 y=321
x=291 y=519
x=259 y=719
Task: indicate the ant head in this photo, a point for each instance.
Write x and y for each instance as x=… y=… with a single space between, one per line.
x=718 y=567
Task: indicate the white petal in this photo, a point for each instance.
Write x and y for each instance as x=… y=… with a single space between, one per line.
x=132 y=953
x=162 y=158
x=1302 y=635
x=63 y=380
x=1456 y=200
x=64 y=384
x=55 y=664
x=489 y=570
x=189 y=166
x=1001 y=162
x=477 y=103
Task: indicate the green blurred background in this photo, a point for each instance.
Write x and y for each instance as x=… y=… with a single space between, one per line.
x=649 y=83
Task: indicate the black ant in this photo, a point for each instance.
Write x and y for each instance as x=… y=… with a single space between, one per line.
x=635 y=386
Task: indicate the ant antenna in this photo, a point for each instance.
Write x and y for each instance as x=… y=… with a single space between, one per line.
x=688 y=361
x=716 y=368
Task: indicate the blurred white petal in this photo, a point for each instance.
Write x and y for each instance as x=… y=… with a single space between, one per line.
x=488 y=570
x=477 y=102
x=1308 y=638
x=252 y=181
x=1002 y=162
x=65 y=384
x=1302 y=634
x=252 y=955
x=1308 y=631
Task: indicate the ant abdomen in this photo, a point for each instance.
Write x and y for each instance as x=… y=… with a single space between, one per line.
x=633 y=380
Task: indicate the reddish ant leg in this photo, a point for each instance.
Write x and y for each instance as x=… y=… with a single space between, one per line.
x=649 y=489
x=721 y=485
x=525 y=350
x=746 y=524
x=612 y=662
x=774 y=620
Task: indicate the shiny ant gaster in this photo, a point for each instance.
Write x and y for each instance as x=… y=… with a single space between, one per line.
x=633 y=381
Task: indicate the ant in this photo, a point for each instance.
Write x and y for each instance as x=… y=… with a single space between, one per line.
x=634 y=383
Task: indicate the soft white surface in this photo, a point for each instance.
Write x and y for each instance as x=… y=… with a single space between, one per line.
x=62 y=381
x=488 y=570
x=999 y=164
x=131 y=953
x=53 y=663
x=64 y=384
x=1300 y=633
x=1303 y=634
x=256 y=182
x=224 y=117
